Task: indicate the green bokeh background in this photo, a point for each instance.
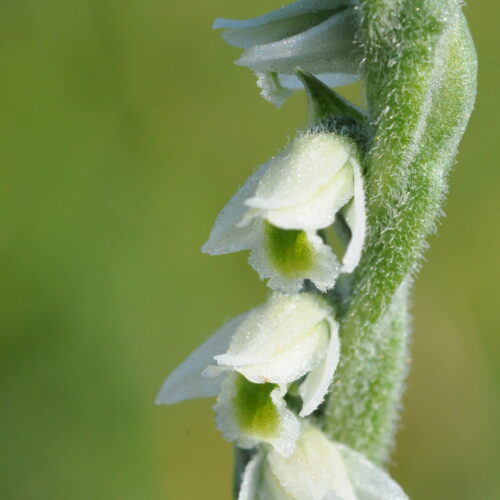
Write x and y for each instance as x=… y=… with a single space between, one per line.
x=124 y=129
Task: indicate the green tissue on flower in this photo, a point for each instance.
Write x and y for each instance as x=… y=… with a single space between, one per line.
x=289 y=249
x=254 y=408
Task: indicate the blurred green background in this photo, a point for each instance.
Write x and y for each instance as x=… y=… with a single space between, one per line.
x=125 y=127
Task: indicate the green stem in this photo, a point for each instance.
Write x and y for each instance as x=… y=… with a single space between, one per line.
x=420 y=73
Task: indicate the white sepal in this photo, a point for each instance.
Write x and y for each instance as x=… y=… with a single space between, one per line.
x=226 y=235
x=186 y=381
x=315 y=471
x=355 y=214
x=251 y=478
x=315 y=387
x=325 y=48
x=244 y=33
x=369 y=481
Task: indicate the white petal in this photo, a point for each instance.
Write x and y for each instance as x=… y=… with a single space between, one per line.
x=325 y=48
x=315 y=471
x=284 y=437
x=303 y=169
x=369 y=481
x=186 y=381
x=355 y=214
x=251 y=478
x=270 y=488
x=317 y=212
x=269 y=32
x=272 y=89
x=329 y=79
x=317 y=382
x=277 y=88
x=226 y=236
x=281 y=340
x=323 y=272
x=292 y=10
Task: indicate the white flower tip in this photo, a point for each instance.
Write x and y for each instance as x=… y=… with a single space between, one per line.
x=212 y=371
x=355 y=214
x=270 y=86
x=220 y=23
x=315 y=387
x=186 y=381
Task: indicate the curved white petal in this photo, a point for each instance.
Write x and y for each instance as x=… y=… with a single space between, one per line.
x=251 y=478
x=269 y=32
x=270 y=488
x=314 y=388
x=330 y=79
x=315 y=471
x=323 y=272
x=281 y=340
x=277 y=88
x=370 y=482
x=290 y=364
x=282 y=438
x=325 y=48
x=226 y=236
x=355 y=214
x=318 y=211
x=292 y=10
x=272 y=88
x=186 y=381
x=300 y=171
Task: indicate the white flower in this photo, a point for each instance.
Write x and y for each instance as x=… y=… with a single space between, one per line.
x=289 y=338
x=317 y=35
x=278 y=212
x=319 y=469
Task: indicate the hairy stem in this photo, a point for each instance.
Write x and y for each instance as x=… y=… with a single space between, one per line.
x=420 y=73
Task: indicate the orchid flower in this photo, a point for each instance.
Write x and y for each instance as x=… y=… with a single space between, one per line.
x=317 y=35
x=319 y=469
x=278 y=212
x=251 y=362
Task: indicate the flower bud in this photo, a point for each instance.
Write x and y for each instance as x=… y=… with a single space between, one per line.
x=278 y=212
